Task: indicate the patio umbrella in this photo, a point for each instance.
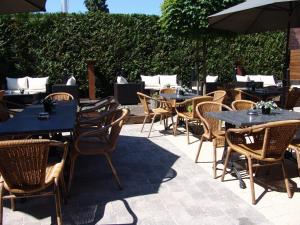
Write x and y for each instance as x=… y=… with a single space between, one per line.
x=17 y=6
x=258 y=16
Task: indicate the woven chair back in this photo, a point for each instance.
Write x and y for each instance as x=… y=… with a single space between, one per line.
x=195 y=101
x=119 y=117
x=292 y=98
x=144 y=99
x=60 y=96
x=218 y=96
x=242 y=105
x=169 y=91
x=23 y=163
x=277 y=137
x=211 y=125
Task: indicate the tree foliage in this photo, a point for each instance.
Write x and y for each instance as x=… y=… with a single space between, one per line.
x=49 y=44
x=190 y=17
x=96 y=5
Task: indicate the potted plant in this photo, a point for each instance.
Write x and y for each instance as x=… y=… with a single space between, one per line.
x=266 y=107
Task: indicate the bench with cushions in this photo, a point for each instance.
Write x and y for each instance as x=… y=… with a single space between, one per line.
x=28 y=85
x=158 y=82
x=267 y=80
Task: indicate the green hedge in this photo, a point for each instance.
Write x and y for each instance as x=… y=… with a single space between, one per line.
x=51 y=44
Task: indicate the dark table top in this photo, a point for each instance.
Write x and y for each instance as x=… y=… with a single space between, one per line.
x=178 y=97
x=27 y=122
x=265 y=92
x=242 y=119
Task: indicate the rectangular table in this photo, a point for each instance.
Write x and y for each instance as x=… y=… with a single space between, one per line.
x=242 y=119
x=178 y=97
x=27 y=122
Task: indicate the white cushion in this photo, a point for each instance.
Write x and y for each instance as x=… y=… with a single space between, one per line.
x=211 y=79
x=166 y=80
x=38 y=83
x=121 y=80
x=71 y=81
x=152 y=81
x=268 y=80
x=242 y=78
x=255 y=78
x=17 y=83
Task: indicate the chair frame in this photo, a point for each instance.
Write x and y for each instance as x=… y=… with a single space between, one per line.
x=237 y=135
x=242 y=104
x=164 y=110
x=28 y=191
x=60 y=96
x=210 y=134
x=181 y=114
x=100 y=132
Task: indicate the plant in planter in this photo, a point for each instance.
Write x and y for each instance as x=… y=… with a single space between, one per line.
x=189 y=108
x=266 y=107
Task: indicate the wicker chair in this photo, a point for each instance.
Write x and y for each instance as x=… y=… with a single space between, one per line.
x=268 y=147
x=26 y=172
x=218 y=96
x=187 y=111
x=88 y=116
x=100 y=141
x=292 y=98
x=169 y=91
x=242 y=105
x=60 y=96
x=163 y=111
x=212 y=129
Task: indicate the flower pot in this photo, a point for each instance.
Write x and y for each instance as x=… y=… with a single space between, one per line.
x=265 y=111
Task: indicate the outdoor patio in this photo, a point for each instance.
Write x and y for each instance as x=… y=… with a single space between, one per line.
x=162 y=185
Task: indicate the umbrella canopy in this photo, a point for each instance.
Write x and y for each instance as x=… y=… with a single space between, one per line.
x=16 y=6
x=258 y=16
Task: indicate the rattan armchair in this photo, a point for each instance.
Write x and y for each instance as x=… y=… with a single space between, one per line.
x=88 y=115
x=268 y=147
x=212 y=129
x=292 y=98
x=60 y=96
x=164 y=111
x=218 y=96
x=238 y=94
x=187 y=111
x=242 y=104
x=100 y=141
x=26 y=172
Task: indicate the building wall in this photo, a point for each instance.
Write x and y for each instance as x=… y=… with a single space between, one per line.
x=295 y=54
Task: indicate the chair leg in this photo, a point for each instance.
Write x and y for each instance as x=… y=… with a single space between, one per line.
x=226 y=163
x=199 y=149
x=1 y=203
x=251 y=180
x=160 y=119
x=298 y=160
x=12 y=203
x=63 y=187
x=71 y=173
x=152 y=124
x=286 y=180
x=175 y=127
x=187 y=130
x=114 y=171
x=214 y=158
x=145 y=119
x=172 y=120
x=58 y=203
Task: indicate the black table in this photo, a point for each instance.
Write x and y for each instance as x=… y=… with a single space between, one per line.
x=264 y=93
x=178 y=97
x=242 y=119
x=25 y=98
x=27 y=122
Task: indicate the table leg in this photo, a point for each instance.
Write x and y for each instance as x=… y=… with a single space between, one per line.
x=231 y=164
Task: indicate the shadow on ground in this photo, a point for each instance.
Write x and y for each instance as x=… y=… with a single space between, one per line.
x=142 y=167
